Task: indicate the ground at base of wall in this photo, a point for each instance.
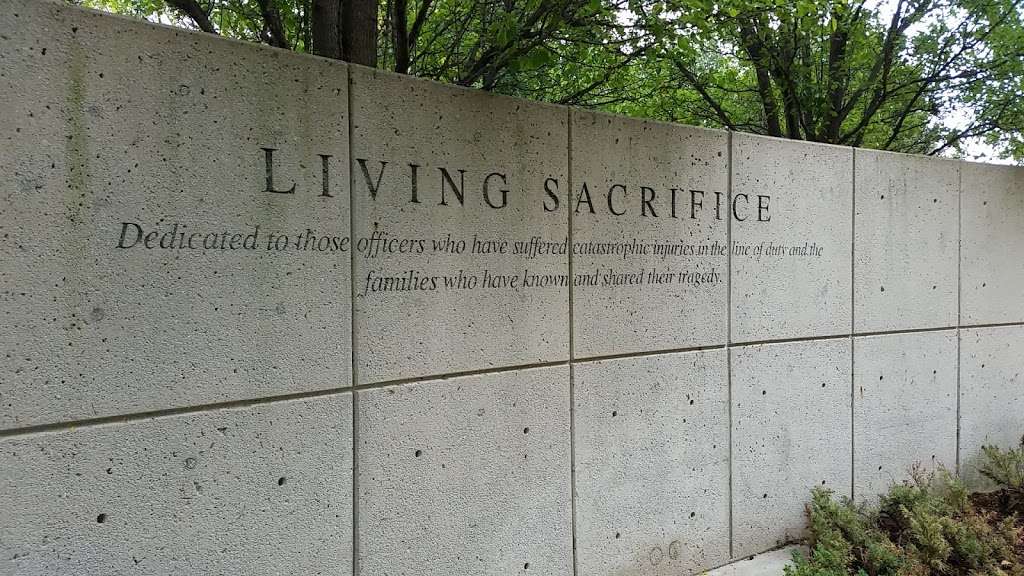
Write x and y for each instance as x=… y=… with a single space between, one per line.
x=767 y=564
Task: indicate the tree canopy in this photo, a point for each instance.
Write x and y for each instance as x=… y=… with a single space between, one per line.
x=919 y=76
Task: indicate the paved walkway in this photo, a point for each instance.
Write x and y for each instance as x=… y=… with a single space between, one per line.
x=767 y=564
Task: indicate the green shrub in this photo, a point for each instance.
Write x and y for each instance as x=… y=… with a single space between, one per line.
x=1006 y=468
x=925 y=527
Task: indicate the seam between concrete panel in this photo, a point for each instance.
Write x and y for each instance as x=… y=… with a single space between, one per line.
x=572 y=344
x=241 y=403
x=853 y=243
x=958 y=363
x=648 y=353
x=904 y=331
x=154 y=414
x=450 y=375
x=853 y=322
x=728 y=325
x=959 y=243
x=991 y=325
x=352 y=299
x=853 y=418
x=959 y=296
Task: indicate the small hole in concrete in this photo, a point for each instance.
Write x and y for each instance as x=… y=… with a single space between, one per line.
x=883 y=288
x=615 y=413
x=281 y=481
x=822 y=384
x=691 y=402
x=822 y=482
x=419 y=453
x=879 y=468
x=617 y=535
x=101 y=518
x=526 y=430
x=692 y=514
x=526 y=566
x=880 y=378
x=764 y=392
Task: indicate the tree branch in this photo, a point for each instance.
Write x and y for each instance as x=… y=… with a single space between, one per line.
x=195 y=12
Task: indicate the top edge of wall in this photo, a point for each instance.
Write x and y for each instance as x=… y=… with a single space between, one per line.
x=862 y=151
x=789 y=141
x=133 y=21
x=142 y=23
x=356 y=70
x=577 y=110
x=975 y=163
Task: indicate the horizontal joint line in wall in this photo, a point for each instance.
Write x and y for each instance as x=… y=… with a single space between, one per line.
x=864 y=334
x=134 y=417
x=581 y=359
x=163 y=413
x=451 y=375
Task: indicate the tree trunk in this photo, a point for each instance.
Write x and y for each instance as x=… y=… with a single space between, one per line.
x=274 y=26
x=327 y=28
x=359 y=32
x=400 y=26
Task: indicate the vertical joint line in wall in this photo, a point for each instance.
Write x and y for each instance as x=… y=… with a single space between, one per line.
x=959 y=295
x=853 y=419
x=572 y=343
x=853 y=317
x=959 y=241
x=352 y=312
x=728 y=320
x=958 y=402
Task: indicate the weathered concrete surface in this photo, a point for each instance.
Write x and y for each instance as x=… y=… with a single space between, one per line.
x=259 y=490
x=810 y=209
x=652 y=464
x=906 y=242
x=108 y=125
x=466 y=476
x=670 y=184
x=508 y=150
x=991 y=394
x=992 y=242
x=904 y=407
x=791 y=432
x=113 y=127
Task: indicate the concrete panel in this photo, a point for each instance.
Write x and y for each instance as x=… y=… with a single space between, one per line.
x=904 y=407
x=460 y=265
x=652 y=464
x=791 y=261
x=120 y=139
x=259 y=490
x=791 y=433
x=649 y=233
x=992 y=241
x=991 y=394
x=466 y=476
x=905 y=242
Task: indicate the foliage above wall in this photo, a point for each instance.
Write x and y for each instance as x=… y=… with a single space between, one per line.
x=920 y=76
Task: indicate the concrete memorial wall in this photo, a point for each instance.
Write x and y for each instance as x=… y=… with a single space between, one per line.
x=266 y=313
